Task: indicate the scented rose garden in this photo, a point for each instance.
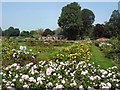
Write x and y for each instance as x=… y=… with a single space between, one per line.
x=75 y=56
x=57 y=65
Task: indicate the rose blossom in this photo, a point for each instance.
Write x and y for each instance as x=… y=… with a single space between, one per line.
x=49 y=71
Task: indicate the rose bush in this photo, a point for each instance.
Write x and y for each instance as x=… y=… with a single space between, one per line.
x=49 y=74
x=23 y=54
x=111 y=50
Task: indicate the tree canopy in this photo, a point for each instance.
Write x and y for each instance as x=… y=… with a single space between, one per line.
x=74 y=21
x=36 y=33
x=47 y=32
x=11 y=32
x=110 y=28
x=70 y=20
x=25 y=33
x=98 y=31
x=88 y=18
x=114 y=23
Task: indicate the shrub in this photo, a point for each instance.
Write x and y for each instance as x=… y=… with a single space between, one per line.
x=23 y=54
x=51 y=75
x=76 y=52
x=111 y=49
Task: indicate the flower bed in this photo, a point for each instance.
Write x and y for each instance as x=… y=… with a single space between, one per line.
x=111 y=50
x=77 y=52
x=70 y=68
x=49 y=74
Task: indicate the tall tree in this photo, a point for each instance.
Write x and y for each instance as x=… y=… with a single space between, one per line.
x=109 y=32
x=114 y=22
x=98 y=31
x=88 y=18
x=70 y=20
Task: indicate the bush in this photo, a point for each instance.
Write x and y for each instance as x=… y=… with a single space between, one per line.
x=111 y=49
x=22 y=54
x=58 y=75
x=76 y=52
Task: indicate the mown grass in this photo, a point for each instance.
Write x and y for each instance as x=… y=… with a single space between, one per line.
x=47 y=55
x=99 y=58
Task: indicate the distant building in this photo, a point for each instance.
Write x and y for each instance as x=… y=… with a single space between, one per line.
x=119 y=6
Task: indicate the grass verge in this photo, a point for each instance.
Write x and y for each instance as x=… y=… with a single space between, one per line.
x=99 y=58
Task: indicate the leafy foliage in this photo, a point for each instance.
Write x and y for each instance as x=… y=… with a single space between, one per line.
x=70 y=20
x=11 y=32
x=98 y=31
x=88 y=18
x=115 y=22
x=24 y=34
x=47 y=32
x=110 y=28
x=111 y=50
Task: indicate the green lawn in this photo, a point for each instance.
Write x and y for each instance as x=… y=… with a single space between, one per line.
x=99 y=59
x=50 y=53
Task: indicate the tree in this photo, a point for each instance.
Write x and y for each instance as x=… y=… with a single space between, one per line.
x=48 y=32
x=16 y=32
x=112 y=27
x=70 y=20
x=58 y=30
x=8 y=31
x=98 y=31
x=114 y=22
x=108 y=30
x=11 y=32
x=40 y=31
x=36 y=33
x=24 y=34
x=88 y=18
x=32 y=33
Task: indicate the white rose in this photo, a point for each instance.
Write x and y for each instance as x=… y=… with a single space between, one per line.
x=25 y=86
x=63 y=81
x=109 y=85
x=49 y=71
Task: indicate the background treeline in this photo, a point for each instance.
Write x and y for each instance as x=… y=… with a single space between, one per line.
x=15 y=32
